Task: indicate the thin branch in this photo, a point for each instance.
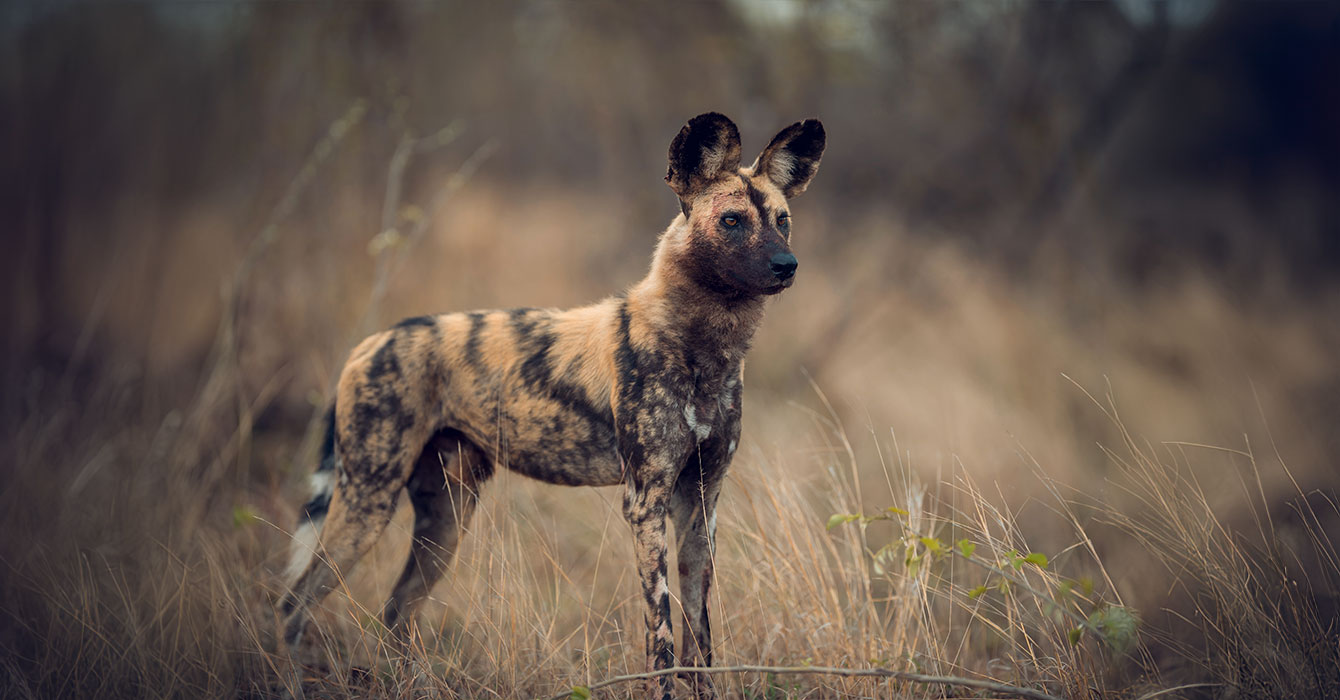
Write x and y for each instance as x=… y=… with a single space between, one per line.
x=222 y=360
x=392 y=247
x=829 y=671
x=225 y=348
x=1174 y=689
x=408 y=147
x=1005 y=573
x=1021 y=582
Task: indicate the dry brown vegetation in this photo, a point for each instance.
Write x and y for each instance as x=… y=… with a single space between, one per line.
x=1021 y=325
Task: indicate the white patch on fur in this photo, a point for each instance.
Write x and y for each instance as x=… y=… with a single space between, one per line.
x=713 y=160
x=301 y=550
x=779 y=168
x=725 y=398
x=305 y=539
x=702 y=430
x=320 y=482
x=662 y=587
x=730 y=449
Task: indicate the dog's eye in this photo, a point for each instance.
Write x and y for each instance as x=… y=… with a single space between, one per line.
x=730 y=221
x=783 y=220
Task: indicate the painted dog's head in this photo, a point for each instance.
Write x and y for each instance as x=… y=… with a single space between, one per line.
x=736 y=243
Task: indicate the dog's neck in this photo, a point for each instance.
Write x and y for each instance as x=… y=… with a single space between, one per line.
x=714 y=331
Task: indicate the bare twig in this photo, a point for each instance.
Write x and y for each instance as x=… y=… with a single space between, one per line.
x=390 y=236
x=392 y=247
x=829 y=671
x=225 y=343
x=222 y=361
x=1174 y=689
x=232 y=291
x=1004 y=573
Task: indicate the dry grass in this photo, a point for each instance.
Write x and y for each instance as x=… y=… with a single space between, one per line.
x=145 y=524
x=146 y=567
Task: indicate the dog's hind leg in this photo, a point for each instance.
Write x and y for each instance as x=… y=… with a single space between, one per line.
x=362 y=505
x=444 y=489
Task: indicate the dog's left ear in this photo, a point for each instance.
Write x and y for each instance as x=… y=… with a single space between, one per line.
x=706 y=147
x=792 y=159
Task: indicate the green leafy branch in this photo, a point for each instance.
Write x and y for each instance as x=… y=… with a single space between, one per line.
x=1113 y=624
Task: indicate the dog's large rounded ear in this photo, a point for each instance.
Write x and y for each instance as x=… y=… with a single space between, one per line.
x=792 y=158
x=706 y=147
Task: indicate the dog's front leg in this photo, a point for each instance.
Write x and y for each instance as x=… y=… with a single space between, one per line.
x=646 y=502
x=693 y=506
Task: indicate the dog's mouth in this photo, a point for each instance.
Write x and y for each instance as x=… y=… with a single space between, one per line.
x=777 y=288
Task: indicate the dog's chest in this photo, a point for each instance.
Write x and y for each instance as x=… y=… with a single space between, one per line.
x=709 y=403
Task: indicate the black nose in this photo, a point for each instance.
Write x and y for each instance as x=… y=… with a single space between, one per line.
x=784 y=266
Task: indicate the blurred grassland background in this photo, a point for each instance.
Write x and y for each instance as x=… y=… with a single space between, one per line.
x=1030 y=216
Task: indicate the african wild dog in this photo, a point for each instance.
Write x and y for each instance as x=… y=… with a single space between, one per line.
x=642 y=389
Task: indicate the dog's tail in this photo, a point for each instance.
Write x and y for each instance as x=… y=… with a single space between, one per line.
x=322 y=485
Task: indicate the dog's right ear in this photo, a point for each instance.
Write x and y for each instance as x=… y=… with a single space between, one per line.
x=792 y=159
x=706 y=147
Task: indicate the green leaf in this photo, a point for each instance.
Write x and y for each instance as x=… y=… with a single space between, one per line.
x=933 y=545
x=977 y=592
x=1086 y=584
x=1118 y=626
x=1037 y=559
x=386 y=240
x=1075 y=635
x=411 y=213
x=883 y=557
x=841 y=519
x=966 y=548
x=896 y=510
x=580 y=692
